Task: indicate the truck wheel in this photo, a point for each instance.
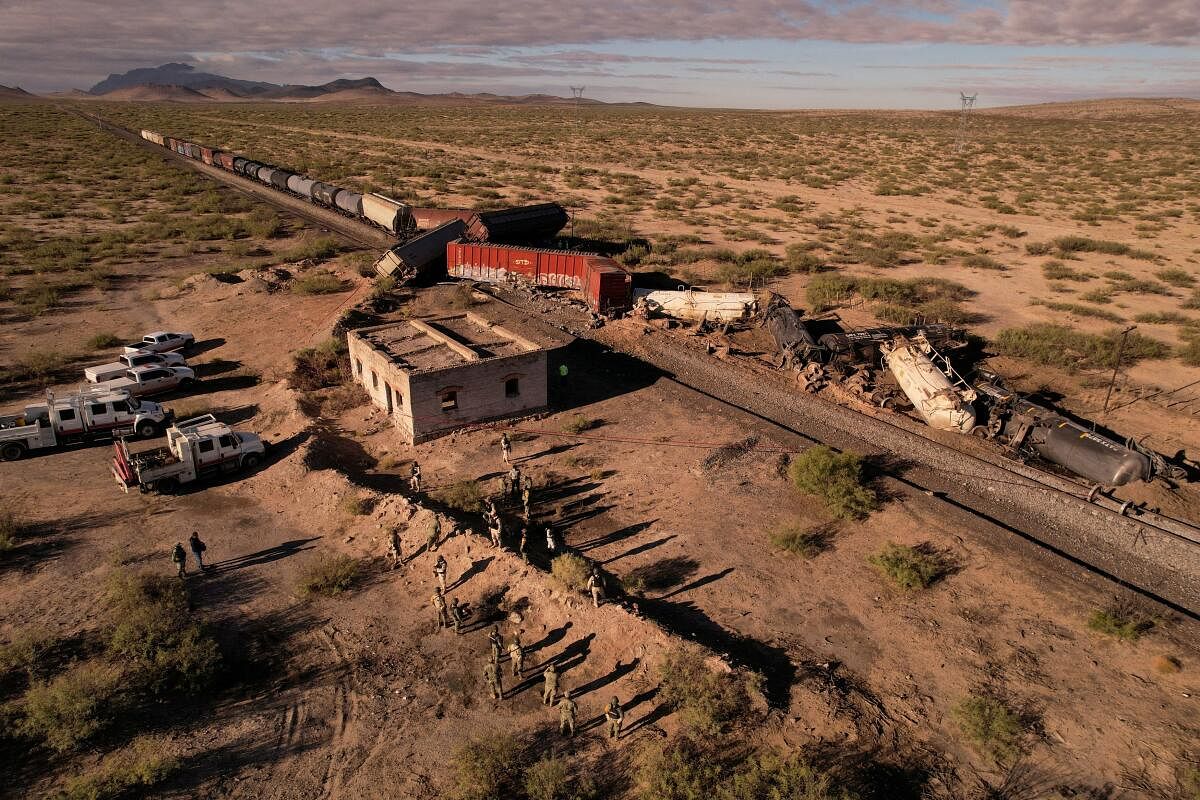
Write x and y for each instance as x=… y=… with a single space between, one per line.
x=146 y=429
x=251 y=461
x=12 y=451
x=166 y=485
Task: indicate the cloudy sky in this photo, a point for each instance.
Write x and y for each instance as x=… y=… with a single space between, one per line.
x=743 y=53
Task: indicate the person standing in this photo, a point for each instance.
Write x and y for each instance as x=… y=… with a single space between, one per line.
x=551 y=542
x=550 y=685
x=394 y=554
x=516 y=656
x=491 y=673
x=456 y=615
x=506 y=447
x=615 y=716
x=180 y=559
x=439 y=603
x=496 y=642
x=435 y=534
x=566 y=715
x=595 y=586
x=521 y=544
x=414 y=478
x=197 y=547
x=439 y=572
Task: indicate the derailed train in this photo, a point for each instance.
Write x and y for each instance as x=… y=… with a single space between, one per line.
x=532 y=223
x=984 y=406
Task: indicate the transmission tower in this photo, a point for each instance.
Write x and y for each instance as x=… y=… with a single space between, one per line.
x=577 y=93
x=964 y=120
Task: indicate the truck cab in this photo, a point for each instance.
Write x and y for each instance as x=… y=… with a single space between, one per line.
x=147 y=380
x=90 y=414
x=161 y=341
x=116 y=369
x=196 y=448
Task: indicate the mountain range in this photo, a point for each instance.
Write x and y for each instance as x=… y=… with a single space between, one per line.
x=182 y=83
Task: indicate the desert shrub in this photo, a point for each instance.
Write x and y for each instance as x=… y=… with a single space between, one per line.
x=796 y=539
x=836 y=478
x=155 y=634
x=991 y=726
x=320 y=367
x=488 y=769
x=1058 y=271
x=679 y=769
x=35 y=365
x=328 y=575
x=1176 y=277
x=464 y=496
x=980 y=261
x=908 y=567
x=1189 y=353
x=72 y=708
x=356 y=506
x=800 y=258
x=1193 y=301
x=571 y=572
x=1119 y=623
x=779 y=777
x=707 y=701
x=827 y=291
x=552 y=779
x=319 y=282
x=317 y=249
x=27 y=652
x=1060 y=346
x=103 y=341
x=145 y=763
x=1081 y=310
x=578 y=423
x=264 y=223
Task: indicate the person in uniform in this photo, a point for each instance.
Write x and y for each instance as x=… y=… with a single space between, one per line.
x=394 y=554
x=516 y=655
x=435 y=534
x=491 y=673
x=550 y=686
x=414 y=478
x=595 y=586
x=456 y=615
x=566 y=715
x=439 y=603
x=496 y=642
x=615 y=717
x=439 y=572
x=197 y=547
x=506 y=447
x=180 y=559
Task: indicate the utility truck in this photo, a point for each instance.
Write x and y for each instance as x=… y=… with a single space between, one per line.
x=150 y=380
x=81 y=416
x=162 y=341
x=196 y=448
x=118 y=368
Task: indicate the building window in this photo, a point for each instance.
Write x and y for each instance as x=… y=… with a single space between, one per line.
x=450 y=400
x=512 y=387
x=358 y=365
x=374 y=380
x=399 y=398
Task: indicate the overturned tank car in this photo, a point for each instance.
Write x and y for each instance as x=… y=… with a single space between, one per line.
x=943 y=404
x=1023 y=426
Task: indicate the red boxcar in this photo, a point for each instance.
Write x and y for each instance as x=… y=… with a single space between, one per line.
x=206 y=154
x=225 y=160
x=489 y=262
x=608 y=287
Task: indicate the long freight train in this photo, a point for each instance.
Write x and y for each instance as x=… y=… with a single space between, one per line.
x=531 y=223
x=605 y=285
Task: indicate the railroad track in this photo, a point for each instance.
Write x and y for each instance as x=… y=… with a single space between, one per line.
x=1152 y=554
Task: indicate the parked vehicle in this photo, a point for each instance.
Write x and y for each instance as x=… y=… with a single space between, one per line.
x=141 y=381
x=116 y=369
x=162 y=341
x=80 y=416
x=196 y=448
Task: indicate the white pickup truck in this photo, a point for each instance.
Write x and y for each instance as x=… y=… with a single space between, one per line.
x=150 y=380
x=117 y=369
x=77 y=417
x=161 y=341
x=195 y=448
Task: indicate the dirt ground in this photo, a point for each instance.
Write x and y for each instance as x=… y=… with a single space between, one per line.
x=361 y=695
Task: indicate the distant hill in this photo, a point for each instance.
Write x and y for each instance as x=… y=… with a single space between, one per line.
x=157 y=94
x=176 y=74
x=182 y=83
x=1104 y=108
x=14 y=92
